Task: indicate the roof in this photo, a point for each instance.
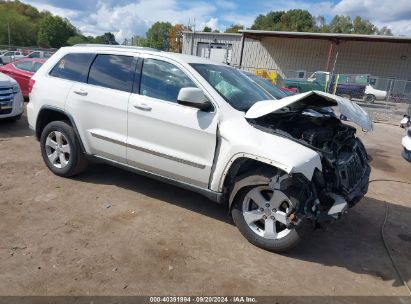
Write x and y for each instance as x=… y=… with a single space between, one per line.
x=254 y=34
x=134 y=49
x=117 y=46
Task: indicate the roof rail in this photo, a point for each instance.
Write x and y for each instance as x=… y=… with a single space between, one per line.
x=118 y=46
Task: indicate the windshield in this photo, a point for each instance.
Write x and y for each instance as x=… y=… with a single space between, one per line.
x=236 y=88
x=268 y=86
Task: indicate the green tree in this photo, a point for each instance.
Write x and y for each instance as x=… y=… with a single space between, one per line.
x=384 y=31
x=54 y=31
x=139 y=41
x=341 y=24
x=363 y=26
x=234 y=28
x=207 y=29
x=297 y=20
x=270 y=22
x=158 y=35
x=106 y=38
x=22 y=30
x=321 y=25
x=77 y=40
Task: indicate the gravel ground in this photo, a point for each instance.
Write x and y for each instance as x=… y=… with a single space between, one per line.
x=111 y=232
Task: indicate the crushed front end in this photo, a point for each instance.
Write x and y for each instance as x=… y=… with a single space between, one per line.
x=343 y=180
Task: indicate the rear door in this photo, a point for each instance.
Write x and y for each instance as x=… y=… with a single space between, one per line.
x=100 y=105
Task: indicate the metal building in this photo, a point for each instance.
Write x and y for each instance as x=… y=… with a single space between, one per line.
x=296 y=54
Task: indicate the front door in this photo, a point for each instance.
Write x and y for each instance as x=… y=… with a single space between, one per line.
x=165 y=137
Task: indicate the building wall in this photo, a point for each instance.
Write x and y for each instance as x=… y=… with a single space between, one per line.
x=391 y=60
x=233 y=39
x=289 y=55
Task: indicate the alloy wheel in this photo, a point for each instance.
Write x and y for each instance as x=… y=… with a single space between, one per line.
x=265 y=212
x=57 y=149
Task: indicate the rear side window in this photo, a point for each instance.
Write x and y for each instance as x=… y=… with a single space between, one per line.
x=73 y=67
x=112 y=71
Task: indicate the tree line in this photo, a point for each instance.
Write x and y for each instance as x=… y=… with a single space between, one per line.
x=29 y=27
x=23 y=25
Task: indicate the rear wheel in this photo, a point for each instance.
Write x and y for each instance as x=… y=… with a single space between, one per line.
x=260 y=213
x=61 y=149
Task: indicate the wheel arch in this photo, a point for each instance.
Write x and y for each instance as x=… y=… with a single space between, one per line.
x=239 y=169
x=48 y=114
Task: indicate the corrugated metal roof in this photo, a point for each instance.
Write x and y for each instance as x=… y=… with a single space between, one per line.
x=325 y=36
x=212 y=33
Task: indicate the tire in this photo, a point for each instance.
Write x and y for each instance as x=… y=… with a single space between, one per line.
x=255 y=233
x=61 y=149
x=14 y=118
x=370 y=98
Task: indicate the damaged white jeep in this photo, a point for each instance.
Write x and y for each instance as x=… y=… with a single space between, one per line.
x=278 y=164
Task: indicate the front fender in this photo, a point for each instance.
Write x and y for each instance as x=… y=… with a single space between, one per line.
x=238 y=139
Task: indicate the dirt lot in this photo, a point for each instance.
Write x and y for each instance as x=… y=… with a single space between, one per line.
x=58 y=236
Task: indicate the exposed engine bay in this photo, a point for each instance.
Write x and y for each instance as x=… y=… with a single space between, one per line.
x=345 y=173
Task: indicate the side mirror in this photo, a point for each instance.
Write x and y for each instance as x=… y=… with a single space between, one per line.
x=193 y=97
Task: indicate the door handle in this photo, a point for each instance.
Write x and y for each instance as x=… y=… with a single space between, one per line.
x=81 y=93
x=142 y=107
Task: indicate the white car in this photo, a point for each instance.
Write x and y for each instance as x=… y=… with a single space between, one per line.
x=371 y=94
x=406 y=144
x=39 y=54
x=11 y=98
x=10 y=56
x=278 y=164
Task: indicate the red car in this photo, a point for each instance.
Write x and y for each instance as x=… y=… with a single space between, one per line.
x=22 y=70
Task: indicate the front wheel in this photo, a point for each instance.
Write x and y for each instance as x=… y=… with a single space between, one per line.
x=260 y=212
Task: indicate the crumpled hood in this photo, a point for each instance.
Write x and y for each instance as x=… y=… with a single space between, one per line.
x=312 y=100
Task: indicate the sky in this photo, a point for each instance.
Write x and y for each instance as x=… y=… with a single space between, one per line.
x=125 y=18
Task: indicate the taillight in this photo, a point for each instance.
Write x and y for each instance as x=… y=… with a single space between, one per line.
x=31 y=84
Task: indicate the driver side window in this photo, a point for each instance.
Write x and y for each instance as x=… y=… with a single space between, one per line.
x=163 y=80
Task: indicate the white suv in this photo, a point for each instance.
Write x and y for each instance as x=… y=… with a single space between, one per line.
x=11 y=98
x=278 y=164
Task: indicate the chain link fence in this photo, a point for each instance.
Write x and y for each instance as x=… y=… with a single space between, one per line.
x=385 y=99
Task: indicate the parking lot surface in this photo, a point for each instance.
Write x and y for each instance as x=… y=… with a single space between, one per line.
x=111 y=232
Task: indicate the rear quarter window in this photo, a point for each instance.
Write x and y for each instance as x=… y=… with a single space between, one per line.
x=73 y=67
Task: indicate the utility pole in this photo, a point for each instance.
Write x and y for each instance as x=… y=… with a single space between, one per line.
x=8 y=31
x=192 y=35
